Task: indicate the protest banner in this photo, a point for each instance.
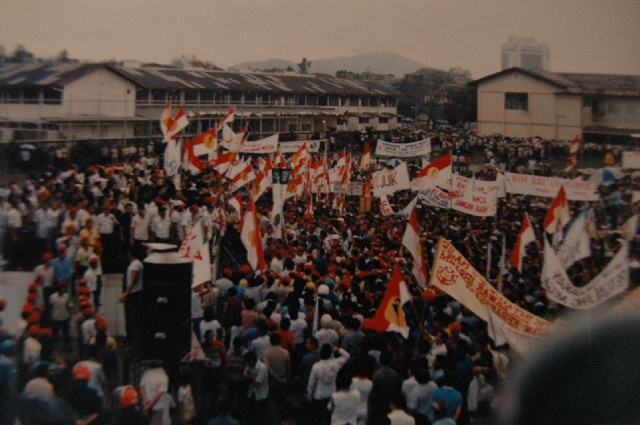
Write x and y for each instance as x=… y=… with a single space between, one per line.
x=631 y=160
x=266 y=145
x=452 y=273
x=386 y=182
x=613 y=280
x=526 y=184
x=488 y=187
x=403 y=150
x=435 y=197
x=501 y=332
x=291 y=147
x=470 y=201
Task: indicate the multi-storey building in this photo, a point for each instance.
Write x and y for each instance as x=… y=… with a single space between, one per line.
x=88 y=101
x=525 y=53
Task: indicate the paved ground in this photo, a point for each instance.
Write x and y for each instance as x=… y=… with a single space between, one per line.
x=13 y=288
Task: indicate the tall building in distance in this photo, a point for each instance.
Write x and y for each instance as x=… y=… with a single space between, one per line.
x=524 y=52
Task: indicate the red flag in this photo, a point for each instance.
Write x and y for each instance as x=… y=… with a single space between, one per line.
x=193 y=163
x=177 y=124
x=243 y=177
x=525 y=236
x=205 y=143
x=250 y=236
x=411 y=240
x=367 y=187
x=437 y=173
x=309 y=211
x=573 y=150
x=390 y=316
x=229 y=117
x=558 y=215
x=365 y=161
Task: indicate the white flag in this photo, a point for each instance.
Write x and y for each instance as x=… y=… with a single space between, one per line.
x=201 y=266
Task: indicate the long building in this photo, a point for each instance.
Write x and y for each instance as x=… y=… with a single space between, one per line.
x=520 y=103
x=90 y=101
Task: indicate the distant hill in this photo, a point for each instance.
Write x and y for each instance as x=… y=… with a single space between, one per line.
x=378 y=63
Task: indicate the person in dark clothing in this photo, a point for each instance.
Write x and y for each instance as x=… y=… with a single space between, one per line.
x=84 y=400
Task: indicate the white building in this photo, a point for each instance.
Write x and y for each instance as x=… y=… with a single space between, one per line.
x=76 y=101
x=525 y=53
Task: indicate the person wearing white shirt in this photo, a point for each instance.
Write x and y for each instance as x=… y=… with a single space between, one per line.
x=161 y=226
x=256 y=374
x=140 y=227
x=322 y=381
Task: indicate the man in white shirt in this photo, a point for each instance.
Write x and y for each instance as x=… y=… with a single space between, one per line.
x=140 y=227
x=255 y=373
x=322 y=381
x=161 y=226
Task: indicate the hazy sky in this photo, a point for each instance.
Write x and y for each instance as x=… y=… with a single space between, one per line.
x=598 y=36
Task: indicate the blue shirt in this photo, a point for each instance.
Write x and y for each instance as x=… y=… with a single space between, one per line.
x=451 y=397
x=61 y=268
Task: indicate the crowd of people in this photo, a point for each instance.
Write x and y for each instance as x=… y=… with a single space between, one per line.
x=281 y=345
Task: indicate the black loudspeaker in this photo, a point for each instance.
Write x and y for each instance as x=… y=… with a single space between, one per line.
x=166 y=310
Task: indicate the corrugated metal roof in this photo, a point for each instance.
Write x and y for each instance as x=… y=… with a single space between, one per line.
x=44 y=74
x=180 y=79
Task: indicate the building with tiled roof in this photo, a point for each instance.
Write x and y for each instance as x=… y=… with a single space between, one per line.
x=526 y=103
x=80 y=101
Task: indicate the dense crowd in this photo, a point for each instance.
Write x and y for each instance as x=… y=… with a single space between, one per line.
x=282 y=345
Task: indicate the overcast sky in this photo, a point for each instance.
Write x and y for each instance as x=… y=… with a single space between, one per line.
x=595 y=36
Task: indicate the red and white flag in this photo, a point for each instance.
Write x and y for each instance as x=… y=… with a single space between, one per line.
x=193 y=241
x=558 y=215
x=251 y=239
x=411 y=240
x=279 y=161
x=346 y=171
x=224 y=162
x=172 y=126
x=244 y=176
x=390 y=315
x=365 y=160
x=573 y=150
x=192 y=163
x=295 y=187
x=525 y=236
x=205 y=143
x=437 y=173
x=300 y=156
x=366 y=190
x=201 y=266
x=309 y=211
x=228 y=118
x=236 y=203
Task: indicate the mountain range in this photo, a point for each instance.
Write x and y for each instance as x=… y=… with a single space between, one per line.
x=378 y=63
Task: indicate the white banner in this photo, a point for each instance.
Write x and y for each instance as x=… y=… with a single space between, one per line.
x=385 y=206
x=613 y=280
x=453 y=274
x=435 y=197
x=491 y=187
x=352 y=189
x=526 y=184
x=266 y=145
x=403 y=150
x=470 y=201
x=501 y=332
x=387 y=182
x=291 y=147
x=172 y=154
x=630 y=160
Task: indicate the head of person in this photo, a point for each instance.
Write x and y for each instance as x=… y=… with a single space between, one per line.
x=311 y=343
x=325 y=351
x=275 y=339
x=251 y=358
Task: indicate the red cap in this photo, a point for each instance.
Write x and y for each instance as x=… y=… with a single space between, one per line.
x=227 y=272
x=101 y=324
x=88 y=312
x=3 y=303
x=97 y=245
x=195 y=207
x=33 y=287
x=62 y=248
x=34 y=330
x=245 y=269
x=428 y=295
x=47 y=256
x=81 y=373
x=129 y=397
x=27 y=308
x=455 y=327
x=32 y=297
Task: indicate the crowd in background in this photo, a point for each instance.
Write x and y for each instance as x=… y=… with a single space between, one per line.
x=264 y=362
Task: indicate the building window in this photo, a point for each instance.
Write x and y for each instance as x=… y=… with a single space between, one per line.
x=52 y=96
x=363 y=120
x=250 y=98
x=159 y=96
x=333 y=100
x=31 y=95
x=306 y=127
x=312 y=100
x=191 y=97
x=142 y=97
x=235 y=98
x=206 y=97
x=323 y=100
x=383 y=120
x=516 y=101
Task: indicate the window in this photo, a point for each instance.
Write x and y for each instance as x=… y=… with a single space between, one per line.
x=306 y=127
x=31 y=95
x=383 y=120
x=159 y=96
x=363 y=120
x=323 y=100
x=52 y=96
x=250 y=98
x=312 y=100
x=235 y=98
x=206 y=97
x=516 y=101
x=333 y=100
x=191 y=96
x=142 y=97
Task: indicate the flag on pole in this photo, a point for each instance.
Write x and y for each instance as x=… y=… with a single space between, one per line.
x=165 y=120
x=205 y=143
x=576 y=244
x=573 y=150
x=385 y=206
x=411 y=240
x=365 y=161
x=367 y=188
x=177 y=124
x=251 y=239
x=172 y=158
x=558 y=215
x=201 y=266
x=193 y=241
x=525 y=236
x=390 y=315
x=229 y=117
x=309 y=211
x=193 y=163
x=236 y=203
x=244 y=176
x=437 y=173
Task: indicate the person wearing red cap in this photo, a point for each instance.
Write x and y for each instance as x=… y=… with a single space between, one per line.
x=83 y=399
x=91 y=276
x=62 y=267
x=97 y=378
x=46 y=271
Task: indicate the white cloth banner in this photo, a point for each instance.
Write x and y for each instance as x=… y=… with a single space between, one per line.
x=201 y=266
x=471 y=201
x=385 y=206
x=576 y=244
x=266 y=145
x=613 y=280
x=387 y=182
x=405 y=213
x=193 y=241
x=501 y=332
x=403 y=150
x=526 y=184
x=452 y=273
x=630 y=160
x=435 y=197
x=172 y=156
x=291 y=147
x=489 y=187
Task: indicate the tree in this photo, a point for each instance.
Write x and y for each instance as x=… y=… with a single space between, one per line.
x=304 y=66
x=21 y=55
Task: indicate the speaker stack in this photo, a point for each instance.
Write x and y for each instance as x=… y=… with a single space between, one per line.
x=166 y=325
